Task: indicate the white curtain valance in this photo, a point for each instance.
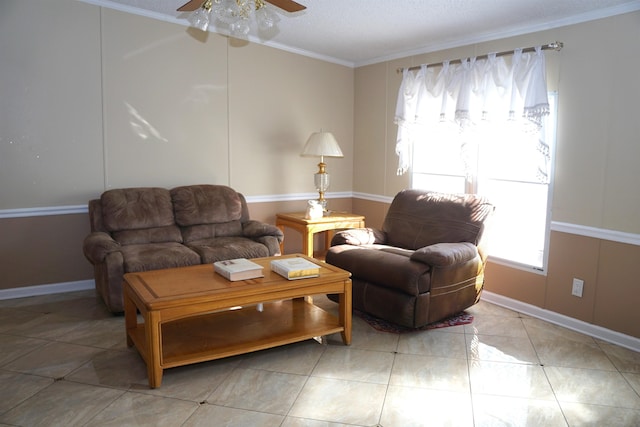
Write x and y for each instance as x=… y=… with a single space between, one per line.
x=468 y=93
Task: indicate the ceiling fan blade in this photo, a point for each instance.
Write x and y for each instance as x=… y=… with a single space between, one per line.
x=287 y=5
x=191 y=5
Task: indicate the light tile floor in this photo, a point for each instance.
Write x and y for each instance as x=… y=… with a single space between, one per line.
x=64 y=362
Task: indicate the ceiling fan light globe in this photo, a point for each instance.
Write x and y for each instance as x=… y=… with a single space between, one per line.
x=240 y=28
x=227 y=11
x=200 y=19
x=266 y=18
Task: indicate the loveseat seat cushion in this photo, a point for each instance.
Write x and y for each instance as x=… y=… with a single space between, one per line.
x=222 y=248
x=387 y=266
x=155 y=256
x=136 y=208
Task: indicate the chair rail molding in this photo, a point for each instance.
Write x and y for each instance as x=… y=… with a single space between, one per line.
x=563 y=227
x=598 y=233
x=43 y=211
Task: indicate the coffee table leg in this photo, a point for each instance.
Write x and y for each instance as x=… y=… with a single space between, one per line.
x=130 y=316
x=154 y=348
x=345 y=312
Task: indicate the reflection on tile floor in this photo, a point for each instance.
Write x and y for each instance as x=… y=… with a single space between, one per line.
x=64 y=362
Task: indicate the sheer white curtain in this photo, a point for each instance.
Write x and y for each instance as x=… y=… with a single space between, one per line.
x=471 y=94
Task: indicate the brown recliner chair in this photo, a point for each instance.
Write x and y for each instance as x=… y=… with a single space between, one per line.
x=427 y=262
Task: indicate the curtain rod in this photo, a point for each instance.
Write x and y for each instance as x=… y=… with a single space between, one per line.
x=555 y=46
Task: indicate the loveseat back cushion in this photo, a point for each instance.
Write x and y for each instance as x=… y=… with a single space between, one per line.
x=418 y=218
x=205 y=204
x=136 y=208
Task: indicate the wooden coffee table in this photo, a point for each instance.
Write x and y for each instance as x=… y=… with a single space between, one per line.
x=192 y=314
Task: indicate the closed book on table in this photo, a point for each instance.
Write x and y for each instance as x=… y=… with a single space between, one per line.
x=295 y=268
x=238 y=269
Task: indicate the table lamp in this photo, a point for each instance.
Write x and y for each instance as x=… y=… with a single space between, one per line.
x=322 y=144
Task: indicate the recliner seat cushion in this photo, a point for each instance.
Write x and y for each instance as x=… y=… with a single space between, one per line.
x=385 y=266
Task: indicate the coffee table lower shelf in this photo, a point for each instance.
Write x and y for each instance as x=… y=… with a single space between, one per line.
x=228 y=333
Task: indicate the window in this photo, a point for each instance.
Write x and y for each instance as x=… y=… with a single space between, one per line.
x=504 y=163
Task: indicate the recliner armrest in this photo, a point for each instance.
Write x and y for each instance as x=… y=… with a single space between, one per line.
x=445 y=254
x=98 y=245
x=359 y=236
x=255 y=229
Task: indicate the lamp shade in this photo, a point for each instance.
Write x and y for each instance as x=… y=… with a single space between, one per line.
x=321 y=144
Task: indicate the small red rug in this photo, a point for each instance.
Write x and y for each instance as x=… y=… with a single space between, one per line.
x=462 y=318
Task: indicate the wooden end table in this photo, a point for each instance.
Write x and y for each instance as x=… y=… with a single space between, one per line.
x=192 y=314
x=309 y=227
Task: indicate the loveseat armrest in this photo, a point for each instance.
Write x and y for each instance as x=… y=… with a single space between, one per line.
x=446 y=254
x=359 y=237
x=98 y=245
x=255 y=229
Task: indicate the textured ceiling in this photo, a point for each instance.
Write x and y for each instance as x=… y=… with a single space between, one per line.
x=360 y=32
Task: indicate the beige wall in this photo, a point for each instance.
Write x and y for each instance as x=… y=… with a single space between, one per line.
x=164 y=104
x=50 y=103
x=99 y=99
x=276 y=100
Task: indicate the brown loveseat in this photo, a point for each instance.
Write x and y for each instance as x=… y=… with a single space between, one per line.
x=427 y=262
x=139 y=229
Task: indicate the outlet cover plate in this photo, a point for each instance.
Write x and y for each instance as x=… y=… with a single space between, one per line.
x=577 y=288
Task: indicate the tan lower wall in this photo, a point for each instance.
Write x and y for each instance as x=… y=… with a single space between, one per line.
x=42 y=250
x=48 y=249
x=517 y=284
x=611 y=285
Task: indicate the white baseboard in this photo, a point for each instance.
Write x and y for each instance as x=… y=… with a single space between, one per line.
x=55 y=288
x=626 y=341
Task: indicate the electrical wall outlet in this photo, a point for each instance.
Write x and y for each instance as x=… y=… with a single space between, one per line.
x=578 y=285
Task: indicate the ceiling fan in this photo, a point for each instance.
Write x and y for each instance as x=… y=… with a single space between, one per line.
x=286 y=5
